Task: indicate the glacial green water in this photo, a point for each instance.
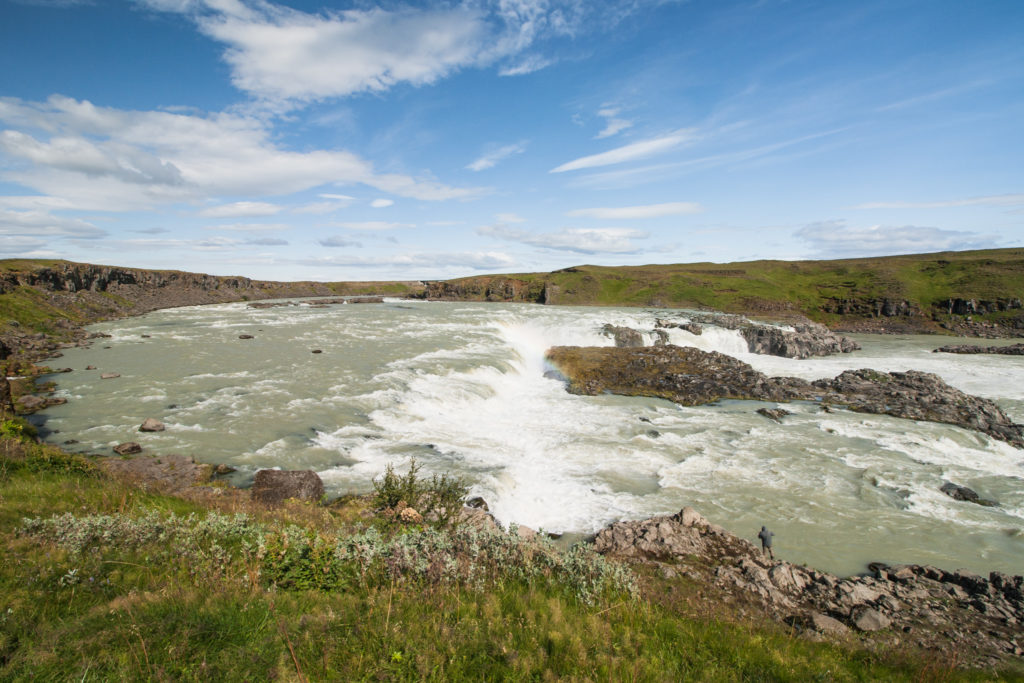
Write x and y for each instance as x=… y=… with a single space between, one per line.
x=462 y=388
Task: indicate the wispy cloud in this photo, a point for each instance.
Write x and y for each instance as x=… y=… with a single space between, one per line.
x=527 y=65
x=251 y=227
x=990 y=200
x=241 y=210
x=382 y=203
x=613 y=124
x=633 y=212
x=837 y=239
x=491 y=159
x=336 y=242
x=510 y=218
x=579 y=240
x=631 y=152
x=372 y=225
x=489 y=260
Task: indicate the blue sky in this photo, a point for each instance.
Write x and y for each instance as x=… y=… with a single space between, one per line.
x=398 y=140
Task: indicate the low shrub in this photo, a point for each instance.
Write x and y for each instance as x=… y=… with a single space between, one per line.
x=438 y=499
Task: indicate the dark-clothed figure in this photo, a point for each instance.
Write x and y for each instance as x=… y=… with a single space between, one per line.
x=766 y=542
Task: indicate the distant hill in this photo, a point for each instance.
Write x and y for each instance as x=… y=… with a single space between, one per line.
x=915 y=293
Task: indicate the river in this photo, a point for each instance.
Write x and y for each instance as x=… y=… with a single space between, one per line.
x=461 y=387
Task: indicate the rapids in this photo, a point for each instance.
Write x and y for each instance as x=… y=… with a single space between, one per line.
x=462 y=388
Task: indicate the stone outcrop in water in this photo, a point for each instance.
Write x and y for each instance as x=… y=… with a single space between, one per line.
x=933 y=607
x=957 y=492
x=1011 y=350
x=625 y=337
x=804 y=340
x=689 y=376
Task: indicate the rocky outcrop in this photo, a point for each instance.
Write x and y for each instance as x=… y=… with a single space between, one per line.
x=936 y=608
x=917 y=396
x=689 y=376
x=625 y=337
x=1011 y=350
x=489 y=288
x=803 y=341
x=275 y=486
x=872 y=307
x=979 y=307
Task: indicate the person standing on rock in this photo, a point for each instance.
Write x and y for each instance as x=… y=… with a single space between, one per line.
x=766 y=542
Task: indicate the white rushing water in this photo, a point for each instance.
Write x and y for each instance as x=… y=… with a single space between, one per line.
x=461 y=387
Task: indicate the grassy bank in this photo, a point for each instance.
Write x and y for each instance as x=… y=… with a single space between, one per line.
x=811 y=288
x=103 y=580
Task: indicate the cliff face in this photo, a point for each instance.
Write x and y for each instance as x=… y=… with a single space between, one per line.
x=492 y=288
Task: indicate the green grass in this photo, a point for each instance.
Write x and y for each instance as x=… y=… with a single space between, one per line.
x=203 y=606
x=806 y=287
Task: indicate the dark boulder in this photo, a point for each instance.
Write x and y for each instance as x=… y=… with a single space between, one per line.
x=128 y=448
x=275 y=486
x=957 y=492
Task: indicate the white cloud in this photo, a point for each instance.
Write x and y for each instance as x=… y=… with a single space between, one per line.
x=251 y=227
x=36 y=223
x=580 y=240
x=633 y=212
x=491 y=159
x=372 y=225
x=334 y=242
x=613 y=125
x=836 y=239
x=267 y=242
x=98 y=158
x=489 y=260
x=631 y=152
x=510 y=218
x=241 y=210
x=991 y=200
x=337 y=197
x=382 y=203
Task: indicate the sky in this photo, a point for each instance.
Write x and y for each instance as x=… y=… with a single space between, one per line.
x=372 y=140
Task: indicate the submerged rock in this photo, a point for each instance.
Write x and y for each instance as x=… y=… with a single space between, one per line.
x=773 y=413
x=957 y=492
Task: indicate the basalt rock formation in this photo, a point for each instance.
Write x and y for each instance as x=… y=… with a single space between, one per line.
x=803 y=340
x=689 y=376
x=933 y=609
x=1011 y=350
